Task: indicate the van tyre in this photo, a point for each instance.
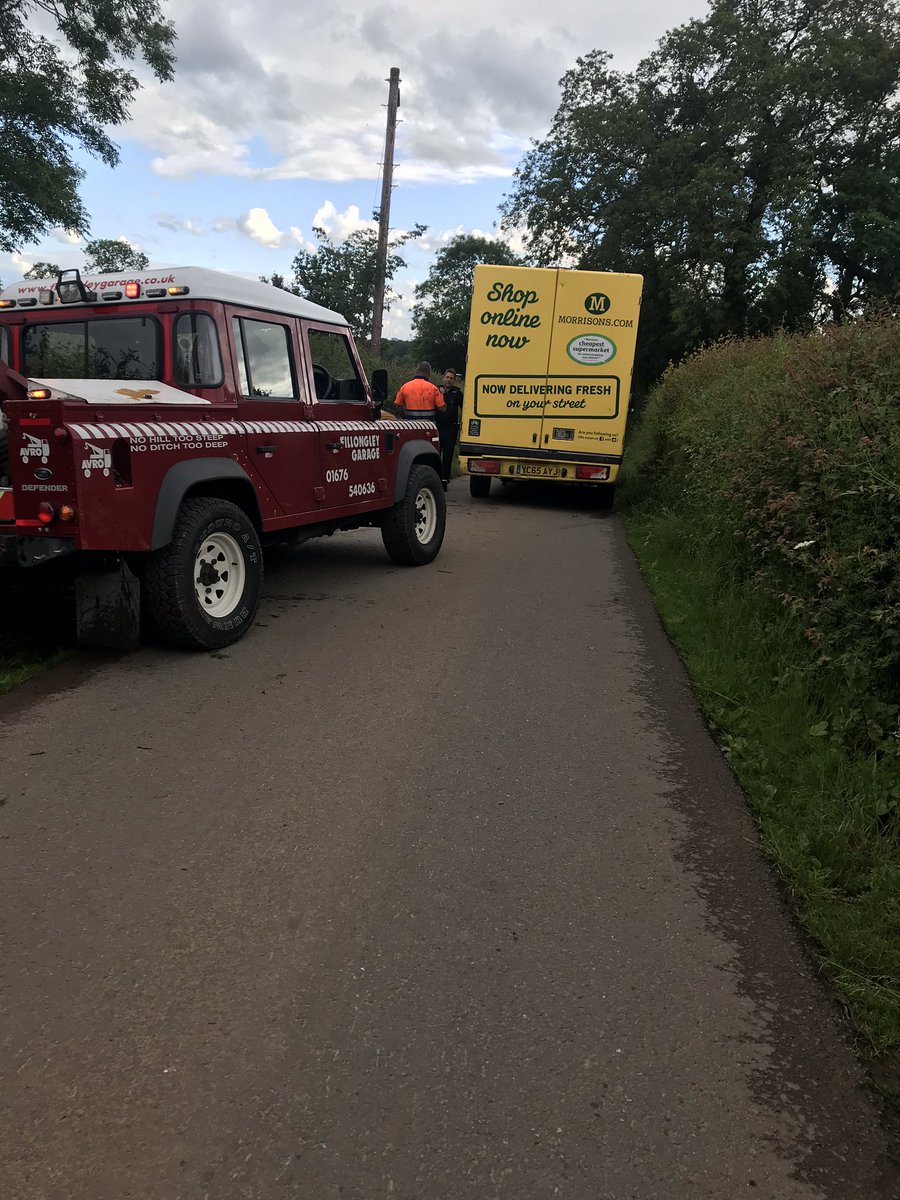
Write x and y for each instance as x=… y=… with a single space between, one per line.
x=413 y=530
x=479 y=486
x=203 y=589
x=606 y=495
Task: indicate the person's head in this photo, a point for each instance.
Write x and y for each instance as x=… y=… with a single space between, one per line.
x=423 y=370
x=449 y=378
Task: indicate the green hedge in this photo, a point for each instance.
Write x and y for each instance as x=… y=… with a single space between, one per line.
x=787 y=452
x=760 y=491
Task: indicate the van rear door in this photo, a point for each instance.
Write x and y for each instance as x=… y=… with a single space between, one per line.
x=589 y=368
x=506 y=372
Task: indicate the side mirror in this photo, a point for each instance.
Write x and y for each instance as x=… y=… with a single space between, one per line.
x=380 y=386
x=379 y=390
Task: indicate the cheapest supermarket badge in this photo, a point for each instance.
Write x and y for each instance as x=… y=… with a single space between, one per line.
x=591 y=349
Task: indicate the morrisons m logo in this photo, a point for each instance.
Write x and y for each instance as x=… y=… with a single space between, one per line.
x=597 y=303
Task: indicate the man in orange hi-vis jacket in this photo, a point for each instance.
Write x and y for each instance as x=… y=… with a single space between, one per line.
x=419 y=398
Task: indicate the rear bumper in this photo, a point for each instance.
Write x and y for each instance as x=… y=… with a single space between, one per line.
x=520 y=453
x=554 y=470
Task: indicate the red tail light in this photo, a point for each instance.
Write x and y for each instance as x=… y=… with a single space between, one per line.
x=484 y=466
x=46 y=512
x=593 y=473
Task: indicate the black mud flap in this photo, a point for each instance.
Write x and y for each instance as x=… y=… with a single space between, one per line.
x=108 y=608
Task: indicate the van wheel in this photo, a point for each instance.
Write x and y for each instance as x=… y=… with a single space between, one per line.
x=479 y=486
x=413 y=530
x=203 y=589
x=606 y=495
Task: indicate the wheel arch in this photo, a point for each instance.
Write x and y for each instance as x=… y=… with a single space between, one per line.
x=411 y=454
x=217 y=478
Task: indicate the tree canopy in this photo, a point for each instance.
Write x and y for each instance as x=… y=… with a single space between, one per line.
x=444 y=298
x=103 y=256
x=107 y=256
x=63 y=90
x=748 y=168
x=341 y=275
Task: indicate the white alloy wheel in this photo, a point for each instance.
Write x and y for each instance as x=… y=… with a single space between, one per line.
x=219 y=574
x=426 y=515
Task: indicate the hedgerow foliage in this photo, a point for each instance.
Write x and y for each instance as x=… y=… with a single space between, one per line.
x=784 y=453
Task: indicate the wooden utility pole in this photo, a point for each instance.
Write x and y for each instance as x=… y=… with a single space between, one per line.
x=384 y=213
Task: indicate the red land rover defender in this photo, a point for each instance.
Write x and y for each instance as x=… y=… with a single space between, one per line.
x=165 y=426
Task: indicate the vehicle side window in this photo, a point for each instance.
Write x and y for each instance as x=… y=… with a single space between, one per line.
x=100 y=348
x=334 y=368
x=265 y=362
x=198 y=360
x=4 y=344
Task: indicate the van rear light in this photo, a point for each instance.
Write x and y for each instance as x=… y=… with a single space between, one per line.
x=46 y=296
x=178 y=291
x=155 y=293
x=39 y=394
x=46 y=512
x=67 y=513
x=484 y=466
x=132 y=291
x=595 y=473
x=7 y=304
x=110 y=295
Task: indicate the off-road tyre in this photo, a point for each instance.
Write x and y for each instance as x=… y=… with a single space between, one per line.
x=174 y=579
x=480 y=486
x=606 y=495
x=413 y=530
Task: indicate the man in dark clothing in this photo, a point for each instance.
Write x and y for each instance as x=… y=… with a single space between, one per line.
x=449 y=419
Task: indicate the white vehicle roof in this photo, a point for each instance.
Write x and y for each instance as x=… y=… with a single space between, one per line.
x=204 y=284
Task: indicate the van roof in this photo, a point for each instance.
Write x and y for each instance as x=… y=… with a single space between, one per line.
x=204 y=284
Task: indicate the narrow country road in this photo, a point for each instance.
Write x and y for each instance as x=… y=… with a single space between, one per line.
x=432 y=888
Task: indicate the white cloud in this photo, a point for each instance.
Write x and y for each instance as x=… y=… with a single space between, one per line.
x=432 y=242
x=66 y=237
x=271 y=91
x=339 y=225
x=259 y=227
x=179 y=224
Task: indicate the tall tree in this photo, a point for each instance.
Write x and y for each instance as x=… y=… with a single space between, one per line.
x=107 y=256
x=341 y=275
x=748 y=167
x=42 y=270
x=62 y=90
x=443 y=299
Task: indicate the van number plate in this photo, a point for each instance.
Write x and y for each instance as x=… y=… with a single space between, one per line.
x=537 y=469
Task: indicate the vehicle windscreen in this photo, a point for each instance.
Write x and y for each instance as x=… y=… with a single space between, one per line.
x=107 y=348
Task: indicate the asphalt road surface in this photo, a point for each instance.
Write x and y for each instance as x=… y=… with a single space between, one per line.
x=433 y=887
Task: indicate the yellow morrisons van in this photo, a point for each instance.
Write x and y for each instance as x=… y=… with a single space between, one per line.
x=548 y=376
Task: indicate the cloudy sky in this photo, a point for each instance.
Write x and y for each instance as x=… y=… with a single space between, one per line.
x=274 y=123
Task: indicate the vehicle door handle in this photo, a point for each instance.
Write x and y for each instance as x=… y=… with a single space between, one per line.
x=268 y=450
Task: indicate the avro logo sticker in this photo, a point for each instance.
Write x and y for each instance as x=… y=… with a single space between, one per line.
x=34 y=447
x=591 y=349
x=598 y=303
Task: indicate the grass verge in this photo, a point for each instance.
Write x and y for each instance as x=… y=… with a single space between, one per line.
x=819 y=806
x=19 y=662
